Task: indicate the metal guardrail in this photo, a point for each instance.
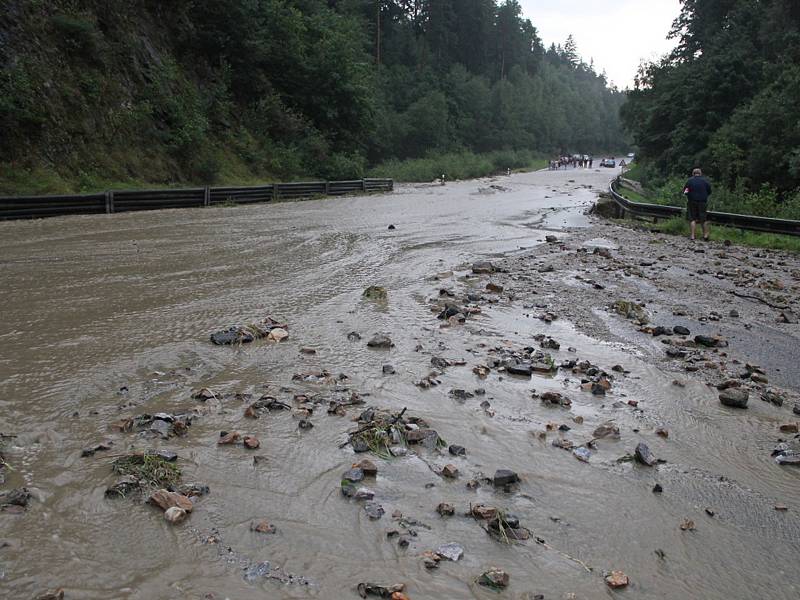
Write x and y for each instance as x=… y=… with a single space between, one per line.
x=27 y=207
x=753 y=223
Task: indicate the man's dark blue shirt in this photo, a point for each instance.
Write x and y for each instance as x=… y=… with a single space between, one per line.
x=697 y=189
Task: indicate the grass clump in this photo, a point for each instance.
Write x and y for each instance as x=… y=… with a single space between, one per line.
x=149 y=469
x=720 y=233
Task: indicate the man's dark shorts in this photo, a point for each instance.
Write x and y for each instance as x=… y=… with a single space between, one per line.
x=697 y=211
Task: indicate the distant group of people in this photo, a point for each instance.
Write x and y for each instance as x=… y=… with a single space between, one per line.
x=583 y=161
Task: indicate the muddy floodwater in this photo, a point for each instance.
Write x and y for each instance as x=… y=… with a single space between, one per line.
x=108 y=317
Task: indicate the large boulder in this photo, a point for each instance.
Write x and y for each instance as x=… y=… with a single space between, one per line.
x=734 y=397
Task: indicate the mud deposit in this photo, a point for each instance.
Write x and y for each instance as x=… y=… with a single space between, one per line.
x=107 y=319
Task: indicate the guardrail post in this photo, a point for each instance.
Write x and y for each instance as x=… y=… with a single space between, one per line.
x=207 y=196
x=363 y=185
x=109 y=202
x=327 y=188
x=274 y=191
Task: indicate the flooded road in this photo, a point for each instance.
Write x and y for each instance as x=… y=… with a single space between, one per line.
x=106 y=318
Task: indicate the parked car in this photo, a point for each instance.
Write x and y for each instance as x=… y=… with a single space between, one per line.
x=608 y=162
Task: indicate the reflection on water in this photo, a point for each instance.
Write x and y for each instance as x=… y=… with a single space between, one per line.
x=106 y=317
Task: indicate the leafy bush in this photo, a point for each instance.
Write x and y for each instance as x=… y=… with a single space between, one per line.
x=77 y=34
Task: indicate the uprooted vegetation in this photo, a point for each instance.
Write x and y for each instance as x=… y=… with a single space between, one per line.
x=386 y=434
x=143 y=471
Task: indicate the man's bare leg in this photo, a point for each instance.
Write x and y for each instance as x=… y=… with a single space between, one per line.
x=705 y=230
x=693 y=227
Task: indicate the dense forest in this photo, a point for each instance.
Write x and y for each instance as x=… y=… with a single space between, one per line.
x=726 y=99
x=96 y=93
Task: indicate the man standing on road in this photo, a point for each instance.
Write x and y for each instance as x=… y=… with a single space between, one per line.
x=697 y=190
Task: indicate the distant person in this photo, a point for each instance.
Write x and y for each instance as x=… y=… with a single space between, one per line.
x=697 y=190
x=591 y=161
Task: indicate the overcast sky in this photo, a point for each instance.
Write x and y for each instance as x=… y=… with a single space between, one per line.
x=617 y=34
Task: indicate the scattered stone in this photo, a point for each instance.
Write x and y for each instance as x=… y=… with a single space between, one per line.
x=16 y=497
x=789 y=428
x=516 y=367
x=781 y=507
x=204 y=394
x=673 y=352
x=353 y=336
x=644 y=455
x=582 y=454
x=450 y=471
x=193 y=490
x=680 y=330
x=787 y=316
x=228 y=437
x=124 y=486
x=101 y=447
x=388 y=370
x=617 y=579
x=661 y=432
x=774 y=397
x=306 y=350
x=495 y=577
x=734 y=397
x=481 y=511
x=374 y=510
x=247 y=333
x=278 y=335
x=630 y=310
x=687 y=525
x=382 y=591
x=165 y=500
x=606 y=429
x=729 y=383
x=555 y=398
x=457 y=450
x=354 y=475
x=483 y=268
x=175 y=515
x=251 y=442
x=367 y=467
x=445 y=509
x=263 y=527
x=380 y=341
x=461 y=395
x=451 y=551
x=375 y=292
x=657 y=489
x=503 y=477
x=431 y=560
x=481 y=371
x=494 y=288
x=364 y=493
x=710 y=342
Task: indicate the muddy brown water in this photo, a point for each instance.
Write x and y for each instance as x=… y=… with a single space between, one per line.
x=105 y=317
